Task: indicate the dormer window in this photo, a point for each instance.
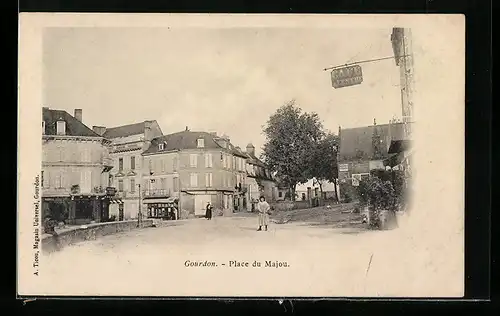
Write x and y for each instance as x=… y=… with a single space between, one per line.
x=201 y=143
x=161 y=146
x=43 y=127
x=61 y=128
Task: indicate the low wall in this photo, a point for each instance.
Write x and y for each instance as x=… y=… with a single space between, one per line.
x=52 y=243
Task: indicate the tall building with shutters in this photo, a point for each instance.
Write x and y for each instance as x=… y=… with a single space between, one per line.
x=127 y=142
x=75 y=169
x=192 y=168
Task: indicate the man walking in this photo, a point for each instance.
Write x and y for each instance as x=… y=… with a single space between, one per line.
x=264 y=210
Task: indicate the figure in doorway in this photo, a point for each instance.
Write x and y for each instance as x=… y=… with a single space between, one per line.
x=264 y=211
x=208 y=213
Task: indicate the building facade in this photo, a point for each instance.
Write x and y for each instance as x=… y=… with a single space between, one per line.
x=260 y=181
x=363 y=149
x=75 y=169
x=126 y=147
x=192 y=168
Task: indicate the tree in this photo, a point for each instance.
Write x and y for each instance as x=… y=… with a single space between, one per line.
x=291 y=138
x=323 y=166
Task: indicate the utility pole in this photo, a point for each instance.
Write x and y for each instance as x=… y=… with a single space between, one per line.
x=401 y=39
x=139 y=218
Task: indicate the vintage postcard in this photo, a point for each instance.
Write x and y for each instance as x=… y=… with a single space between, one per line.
x=241 y=155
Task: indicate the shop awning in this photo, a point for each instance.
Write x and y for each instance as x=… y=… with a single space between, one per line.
x=113 y=200
x=398 y=146
x=394 y=160
x=169 y=200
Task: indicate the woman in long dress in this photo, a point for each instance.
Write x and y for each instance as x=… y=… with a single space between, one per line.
x=264 y=210
x=208 y=212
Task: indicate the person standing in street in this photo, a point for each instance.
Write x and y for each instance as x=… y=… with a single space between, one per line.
x=208 y=212
x=264 y=210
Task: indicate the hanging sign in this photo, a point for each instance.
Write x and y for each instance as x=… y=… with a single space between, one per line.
x=347 y=76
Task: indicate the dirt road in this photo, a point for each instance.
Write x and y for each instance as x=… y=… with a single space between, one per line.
x=313 y=260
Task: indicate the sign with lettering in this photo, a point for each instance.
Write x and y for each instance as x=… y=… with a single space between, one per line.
x=343 y=167
x=347 y=76
x=356 y=178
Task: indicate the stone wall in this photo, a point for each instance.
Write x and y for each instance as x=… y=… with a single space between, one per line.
x=90 y=232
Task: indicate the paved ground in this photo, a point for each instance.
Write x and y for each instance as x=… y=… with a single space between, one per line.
x=322 y=261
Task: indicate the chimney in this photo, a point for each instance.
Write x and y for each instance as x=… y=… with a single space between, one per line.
x=148 y=131
x=78 y=114
x=100 y=130
x=251 y=149
x=213 y=134
x=187 y=129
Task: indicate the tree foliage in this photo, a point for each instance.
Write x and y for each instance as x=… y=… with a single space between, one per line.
x=291 y=138
x=323 y=166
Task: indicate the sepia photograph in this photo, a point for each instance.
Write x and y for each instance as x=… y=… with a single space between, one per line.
x=241 y=155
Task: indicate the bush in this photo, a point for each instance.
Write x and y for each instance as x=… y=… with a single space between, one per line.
x=380 y=196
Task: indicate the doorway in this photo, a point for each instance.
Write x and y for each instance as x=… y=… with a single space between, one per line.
x=120 y=212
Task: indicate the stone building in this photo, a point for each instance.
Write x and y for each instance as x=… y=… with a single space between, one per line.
x=363 y=149
x=193 y=168
x=126 y=147
x=260 y=181
x=75 y=169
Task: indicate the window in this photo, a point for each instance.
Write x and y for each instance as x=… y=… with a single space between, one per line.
x=58 y=181
x=42 y=178
x=201 y=143
x=174 y=164
x=85 y=155
x=176 y=184
x=160 y=146
x=132 y=185
x=234 y=162
x=224 y=161
x=163 y=183
x=120 y=185
x=43 y=127
x=280 y=194
x=209 y=161
x=61 y=128
x=61 y=153
x=132 y=162
x=120 y=164
x=85 y=181
x=162 y=162
x=208 y=180
x=193 y=160
x=194 y=179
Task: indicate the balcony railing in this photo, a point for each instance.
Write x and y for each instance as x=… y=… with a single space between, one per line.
x=158 y=193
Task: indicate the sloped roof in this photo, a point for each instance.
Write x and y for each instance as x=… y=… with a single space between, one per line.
x=125 y=130
x=359 y=139
x=73 y=126
x=182 y=140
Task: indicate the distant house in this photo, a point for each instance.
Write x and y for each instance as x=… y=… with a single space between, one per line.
x=362 y=149
x=75 y=169
x=302 y=190
x=127 y=144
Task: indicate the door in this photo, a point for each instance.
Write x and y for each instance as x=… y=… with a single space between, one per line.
x=120 y=212
x=200 y=203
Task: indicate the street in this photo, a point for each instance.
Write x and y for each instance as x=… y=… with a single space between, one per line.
x=303 y=260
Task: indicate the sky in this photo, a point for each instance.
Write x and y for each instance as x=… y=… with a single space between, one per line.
x=228 y=80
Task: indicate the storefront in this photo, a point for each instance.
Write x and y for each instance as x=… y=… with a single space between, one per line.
x=166 y=208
